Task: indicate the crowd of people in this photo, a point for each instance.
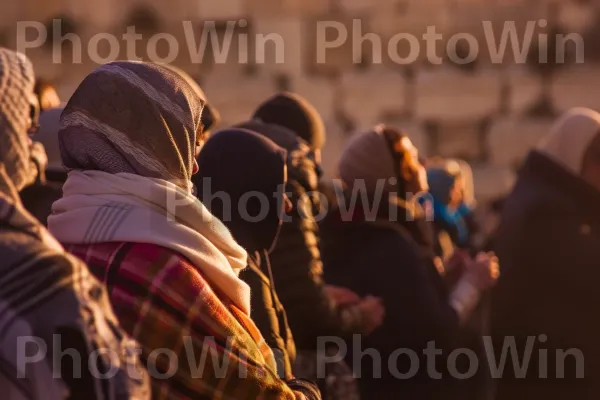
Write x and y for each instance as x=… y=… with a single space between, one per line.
x=147 y=254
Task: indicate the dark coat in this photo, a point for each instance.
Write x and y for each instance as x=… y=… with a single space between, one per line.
x=267 y=312
x=296 y=259
x=384 y=259
x=238 y=162
x=549 y=248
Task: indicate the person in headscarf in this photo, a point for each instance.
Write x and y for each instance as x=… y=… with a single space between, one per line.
x=47 y=188
x=46 y=294
x=549 y=244
x=242 y=163
x=379 y=242
x=210 y=115
x=298 y=274
x=450 y=211
x=129 y=136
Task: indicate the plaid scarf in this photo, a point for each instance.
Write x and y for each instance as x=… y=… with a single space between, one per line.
x=45 y=292
x=166 y=303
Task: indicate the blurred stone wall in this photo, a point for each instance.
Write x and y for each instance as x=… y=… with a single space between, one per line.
x=479 y=113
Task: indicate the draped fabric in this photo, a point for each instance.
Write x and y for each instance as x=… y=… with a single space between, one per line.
x=16 y=97
x=98 y=207
x=133 y=117
x=43 y=293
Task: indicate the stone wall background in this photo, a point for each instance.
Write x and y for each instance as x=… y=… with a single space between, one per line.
x=483 y=114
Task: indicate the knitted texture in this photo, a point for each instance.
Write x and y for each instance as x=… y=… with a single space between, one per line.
x=16 y=94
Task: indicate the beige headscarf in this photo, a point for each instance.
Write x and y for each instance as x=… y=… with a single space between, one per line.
x=570 y=137
x=16 y=96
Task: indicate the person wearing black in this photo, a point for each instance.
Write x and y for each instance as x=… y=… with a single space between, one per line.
x=383 y=245
x=315 y=309
x=549 y=244
x=238 y=163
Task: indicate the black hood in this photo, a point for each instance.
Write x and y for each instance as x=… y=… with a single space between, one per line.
x=300 y=161
x=248 y=170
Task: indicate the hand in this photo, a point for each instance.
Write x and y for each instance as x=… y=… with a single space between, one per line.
x=342 y=295
x=457 y=262
x=373 y=313
x=484 y=271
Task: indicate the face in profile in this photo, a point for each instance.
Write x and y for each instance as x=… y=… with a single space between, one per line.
x=413 y=171
x=456 y=195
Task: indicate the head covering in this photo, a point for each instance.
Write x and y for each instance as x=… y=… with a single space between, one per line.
x=282 y=136
x=210 y=115
x=16 y=99
x=302 y=166
x=374 y=158
x=367 y=157
x=570 y=137
x=133 y=117
x=250 y=169
x=294 y=112
x=441 y=181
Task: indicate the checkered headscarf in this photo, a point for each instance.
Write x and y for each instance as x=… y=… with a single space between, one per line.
x=16 y=95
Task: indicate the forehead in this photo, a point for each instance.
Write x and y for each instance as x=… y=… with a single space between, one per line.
x=407 y=145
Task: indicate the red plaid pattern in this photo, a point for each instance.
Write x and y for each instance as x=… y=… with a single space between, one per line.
x=165 y=303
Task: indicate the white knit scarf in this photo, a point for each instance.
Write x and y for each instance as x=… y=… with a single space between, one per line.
x=98 y=207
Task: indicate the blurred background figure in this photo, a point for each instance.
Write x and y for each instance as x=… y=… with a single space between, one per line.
x=296 y=259
x=454 y=222
x=549 y=244
x=47 y=95
x=385 y=248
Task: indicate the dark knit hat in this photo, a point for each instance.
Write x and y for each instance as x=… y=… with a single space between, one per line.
x=294 y=112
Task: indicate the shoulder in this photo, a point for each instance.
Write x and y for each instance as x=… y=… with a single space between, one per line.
x=157 y=262
x=382 y=240
x=532 y=204
x=141 y=264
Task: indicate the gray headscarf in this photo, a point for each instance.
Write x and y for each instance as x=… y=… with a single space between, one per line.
x=133 y=117
x=17 y=80
x=570 y=138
